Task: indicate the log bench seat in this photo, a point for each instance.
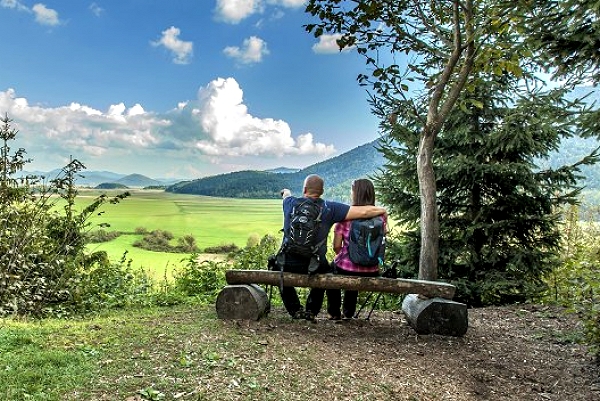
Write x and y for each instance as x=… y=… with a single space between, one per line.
x=428 y=307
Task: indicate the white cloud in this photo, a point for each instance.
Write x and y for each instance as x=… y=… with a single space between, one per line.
x=45 y=15
x=327 y=44
x=215 y=127
x=13 y=4
x=234 y=11
x=78 y=128
x=96 y=9
x=232 y=131
x=182 y=51
x=288 y=3
x=252 y=51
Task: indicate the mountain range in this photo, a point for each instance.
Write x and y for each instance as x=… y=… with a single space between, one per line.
x=359 y=162
x=338 y=172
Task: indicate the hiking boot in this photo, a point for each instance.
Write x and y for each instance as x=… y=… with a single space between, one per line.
x=299 y=314
x=334 y=317
x=309 y=316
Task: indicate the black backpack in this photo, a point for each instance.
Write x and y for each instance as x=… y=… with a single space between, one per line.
x=366 y=245
x=305 y=220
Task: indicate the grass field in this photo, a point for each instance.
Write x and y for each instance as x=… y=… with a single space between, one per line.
x=212 y=221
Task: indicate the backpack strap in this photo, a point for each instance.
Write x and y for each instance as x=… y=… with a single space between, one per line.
x=315 y=260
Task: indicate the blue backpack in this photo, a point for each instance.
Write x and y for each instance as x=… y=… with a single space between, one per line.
x=366 y=245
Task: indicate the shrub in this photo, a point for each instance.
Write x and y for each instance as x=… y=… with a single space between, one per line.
x=141 y=231
x=42 y=250
x=225 y=248
x=575 y=283
x=156 y=240
x=160 y=241
x=202 y=280
x=99 y=236
x=112 y=285
x=255 y=257
x=187 y=244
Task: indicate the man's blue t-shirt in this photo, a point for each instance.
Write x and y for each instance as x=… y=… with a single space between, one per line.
x=333 y=212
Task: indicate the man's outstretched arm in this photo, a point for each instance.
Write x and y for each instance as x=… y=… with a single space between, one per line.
x=364 y=212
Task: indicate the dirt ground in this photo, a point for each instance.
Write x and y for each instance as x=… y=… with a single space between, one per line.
x=523 y=352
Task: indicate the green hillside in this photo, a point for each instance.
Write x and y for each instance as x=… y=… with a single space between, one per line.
x=339 y=172
x=356 y=163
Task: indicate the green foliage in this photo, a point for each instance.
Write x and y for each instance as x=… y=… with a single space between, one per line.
x=566 y=33
x=575 y=282
x=112 y=285
x=255 y=256
x=42 y=251
x=202 y=280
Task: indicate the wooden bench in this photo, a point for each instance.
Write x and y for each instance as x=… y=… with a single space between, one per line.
x=428 y=306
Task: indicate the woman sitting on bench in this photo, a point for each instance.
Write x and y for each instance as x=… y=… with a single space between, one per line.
x=359 y=247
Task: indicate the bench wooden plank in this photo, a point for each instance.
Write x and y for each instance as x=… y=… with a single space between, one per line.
x=429 y=289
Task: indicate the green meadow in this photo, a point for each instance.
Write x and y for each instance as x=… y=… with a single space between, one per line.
x=211 y=221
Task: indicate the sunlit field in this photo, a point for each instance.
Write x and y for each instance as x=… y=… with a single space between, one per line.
x=212 y=221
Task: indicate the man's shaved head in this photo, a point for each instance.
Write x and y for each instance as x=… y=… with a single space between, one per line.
x=313 y=185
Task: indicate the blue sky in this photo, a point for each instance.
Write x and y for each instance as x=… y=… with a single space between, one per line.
x=177 y=89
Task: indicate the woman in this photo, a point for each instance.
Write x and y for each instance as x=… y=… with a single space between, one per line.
x=362 y=193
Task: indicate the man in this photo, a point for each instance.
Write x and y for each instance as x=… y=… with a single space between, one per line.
x=331 y=213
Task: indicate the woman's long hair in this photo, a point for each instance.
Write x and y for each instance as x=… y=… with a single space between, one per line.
x=363 y=192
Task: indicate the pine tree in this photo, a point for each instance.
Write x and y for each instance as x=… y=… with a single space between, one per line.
x=498 y=221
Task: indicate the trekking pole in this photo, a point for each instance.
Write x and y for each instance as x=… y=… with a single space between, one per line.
x=374 y=305
x=388 y=272
x=363 y=305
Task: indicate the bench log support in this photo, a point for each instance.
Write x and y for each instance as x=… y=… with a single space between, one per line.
x=435 y=315
x=242 y=302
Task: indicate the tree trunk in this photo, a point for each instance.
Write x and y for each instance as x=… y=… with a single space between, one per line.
x=430 y=225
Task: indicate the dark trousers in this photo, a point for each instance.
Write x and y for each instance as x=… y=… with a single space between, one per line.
x=289 y=295
x=334 y=297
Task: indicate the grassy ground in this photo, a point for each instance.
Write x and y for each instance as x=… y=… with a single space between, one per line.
x=185 y=353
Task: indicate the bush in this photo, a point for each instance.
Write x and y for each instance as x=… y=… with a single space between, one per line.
x=112 y=285
x=576 y=282
x=225 y=248
x=200 y=280
x=99 y=236
x=255 y=257
x=42 y=250
x=141 y=231
x=160 y=241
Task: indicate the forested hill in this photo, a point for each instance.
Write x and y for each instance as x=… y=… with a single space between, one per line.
x=356 y=163
x=339 y=171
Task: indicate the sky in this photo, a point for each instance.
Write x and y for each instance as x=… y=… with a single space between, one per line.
x=177 y=88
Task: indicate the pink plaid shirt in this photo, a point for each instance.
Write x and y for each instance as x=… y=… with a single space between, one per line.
x=342 y=260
